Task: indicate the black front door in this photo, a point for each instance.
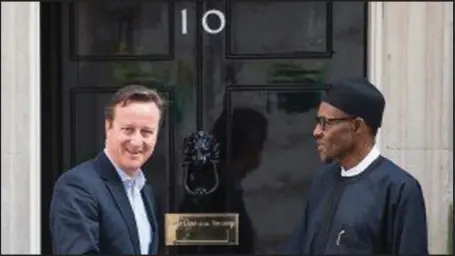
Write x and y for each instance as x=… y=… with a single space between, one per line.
x=261 y=74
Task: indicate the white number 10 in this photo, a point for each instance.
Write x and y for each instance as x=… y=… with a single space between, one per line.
x=204 y=22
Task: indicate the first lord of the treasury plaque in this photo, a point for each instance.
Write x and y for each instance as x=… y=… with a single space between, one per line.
x=202 y=229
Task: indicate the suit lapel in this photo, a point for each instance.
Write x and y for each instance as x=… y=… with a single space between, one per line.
x=117 y=190
x=149 y=202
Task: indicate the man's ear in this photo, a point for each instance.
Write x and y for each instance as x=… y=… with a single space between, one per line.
x=358 y=125
x=107 y=125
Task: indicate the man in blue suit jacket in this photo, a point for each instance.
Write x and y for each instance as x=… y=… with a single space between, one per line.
x=104 y=206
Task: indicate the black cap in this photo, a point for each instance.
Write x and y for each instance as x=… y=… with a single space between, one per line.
x=357 y=97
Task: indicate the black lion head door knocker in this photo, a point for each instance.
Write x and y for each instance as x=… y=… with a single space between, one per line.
x=201 y=156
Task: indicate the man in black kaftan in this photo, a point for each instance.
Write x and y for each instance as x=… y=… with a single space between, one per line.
x=360 y=202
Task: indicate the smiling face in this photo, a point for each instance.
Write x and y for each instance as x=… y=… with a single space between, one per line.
x=132 y=133
x=334 y=133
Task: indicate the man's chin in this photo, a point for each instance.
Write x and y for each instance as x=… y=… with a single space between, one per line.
x=326 y=160
x=132 y=165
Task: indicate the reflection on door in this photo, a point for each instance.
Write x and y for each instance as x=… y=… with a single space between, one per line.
x=270 y=64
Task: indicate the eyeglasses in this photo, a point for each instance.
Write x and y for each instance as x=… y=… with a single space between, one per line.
x=324 y=121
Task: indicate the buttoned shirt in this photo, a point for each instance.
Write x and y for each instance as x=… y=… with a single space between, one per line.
x=133 y=187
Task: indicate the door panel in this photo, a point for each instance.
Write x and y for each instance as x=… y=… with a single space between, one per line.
x=272 y=60
x=276 y=189
x=253 y=62
x=304 y=31
x=122 y=30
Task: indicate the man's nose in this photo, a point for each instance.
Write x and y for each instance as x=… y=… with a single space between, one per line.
x=136 y=139
x=317 y=131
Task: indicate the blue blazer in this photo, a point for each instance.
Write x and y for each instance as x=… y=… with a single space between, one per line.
x=90 y=212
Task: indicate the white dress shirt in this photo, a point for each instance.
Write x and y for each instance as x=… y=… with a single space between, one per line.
x=133 y=189
x=363 y=165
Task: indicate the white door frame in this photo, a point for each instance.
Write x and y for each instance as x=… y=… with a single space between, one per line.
x=21 y=133
x=375 y=48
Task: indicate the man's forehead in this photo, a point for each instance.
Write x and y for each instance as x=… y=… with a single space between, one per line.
x=131 y=104
x=325 y=109
x=149 y=108
x=135 y=123
x=125 y=115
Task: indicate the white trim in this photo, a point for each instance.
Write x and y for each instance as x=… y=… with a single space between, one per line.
x=363 y=165
x=35 y=128
x=375 y=48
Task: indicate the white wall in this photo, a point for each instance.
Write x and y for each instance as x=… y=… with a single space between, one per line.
x=412 y=63
x=20 y=188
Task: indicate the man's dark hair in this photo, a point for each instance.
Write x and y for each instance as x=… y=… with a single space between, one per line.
x=133 y=93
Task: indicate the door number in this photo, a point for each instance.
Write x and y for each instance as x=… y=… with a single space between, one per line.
x=205 y=26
